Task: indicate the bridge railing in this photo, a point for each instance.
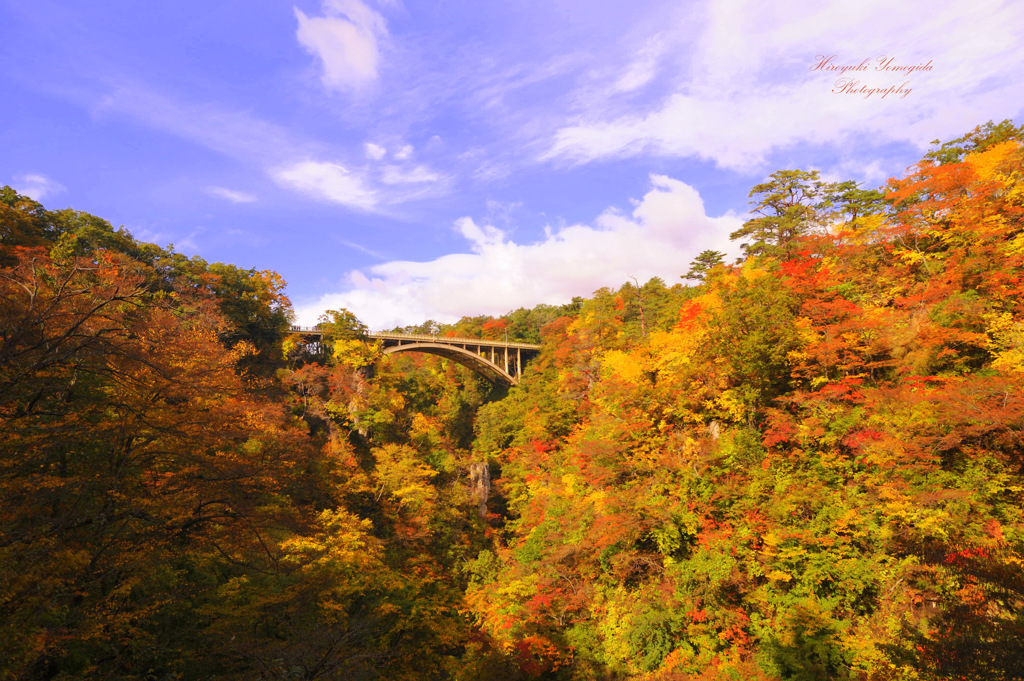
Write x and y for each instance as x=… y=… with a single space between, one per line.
x=432 y=338
x=453 y=339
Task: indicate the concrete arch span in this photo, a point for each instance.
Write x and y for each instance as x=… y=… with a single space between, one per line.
x=497 y=361
x=466 y=358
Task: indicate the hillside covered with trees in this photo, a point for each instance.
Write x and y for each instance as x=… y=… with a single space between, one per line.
x=808 y=464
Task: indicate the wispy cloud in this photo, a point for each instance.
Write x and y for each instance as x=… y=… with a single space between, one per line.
x=36 y=186
x=643 y=68
x=409 y=175
x=182 y=244
x=346 y=41
x=749 y=89
x=666 y=229
x=320 y=173
x=363 y=249
x=375 y=151
x=231 y=132
x=329 y=181
x=231 y=195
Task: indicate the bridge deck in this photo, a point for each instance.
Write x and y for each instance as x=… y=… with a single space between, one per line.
x=496 y=360
x=427 y=338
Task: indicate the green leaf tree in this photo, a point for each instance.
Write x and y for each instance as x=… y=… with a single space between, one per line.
x=849 y=203
x=347 y=336
x=981 y=138
x=704 y=263
x=787 y=207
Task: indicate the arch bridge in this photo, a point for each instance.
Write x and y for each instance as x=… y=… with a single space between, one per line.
x=497 y=361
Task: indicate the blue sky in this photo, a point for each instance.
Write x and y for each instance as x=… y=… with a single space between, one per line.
x=433 y=159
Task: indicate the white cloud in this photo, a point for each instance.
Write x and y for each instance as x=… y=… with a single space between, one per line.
x=666 y=229
x=345 y=40
x=329 y=181
x=36 y=186
x=413 y=175
x=748 y=88
x=375 y=152
x=642 y=69
x=231 y=195
x=404 y=154
x=276 y=149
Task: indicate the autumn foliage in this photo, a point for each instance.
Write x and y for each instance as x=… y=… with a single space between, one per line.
x=810 y=465
x=815 y=472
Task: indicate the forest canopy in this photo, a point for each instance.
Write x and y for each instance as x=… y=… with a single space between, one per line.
x=808 y=464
